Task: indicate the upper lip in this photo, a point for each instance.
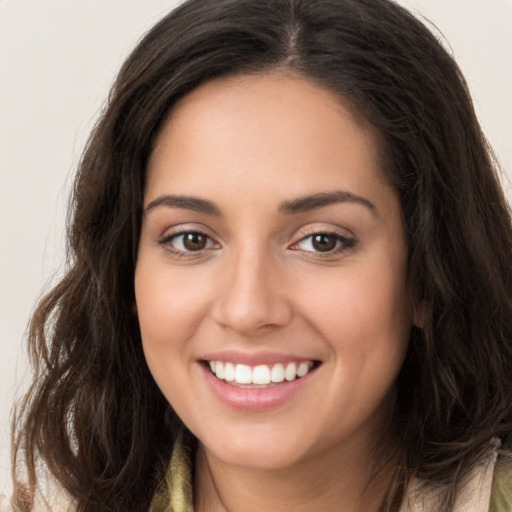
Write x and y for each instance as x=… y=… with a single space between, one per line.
x=254 y=358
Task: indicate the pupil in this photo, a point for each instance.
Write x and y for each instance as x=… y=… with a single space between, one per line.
x=324 y=243
x=194 y=241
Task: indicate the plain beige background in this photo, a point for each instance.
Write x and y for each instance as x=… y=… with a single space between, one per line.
x=57 y=61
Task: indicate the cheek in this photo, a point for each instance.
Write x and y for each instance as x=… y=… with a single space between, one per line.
x=365 y=321
x=169 y=309
x=363 y=314
x=363 y=301
x=168 y=303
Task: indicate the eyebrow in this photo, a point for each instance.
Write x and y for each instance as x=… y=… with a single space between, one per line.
x=186 y=203
x=299 y=205
x=322 y=199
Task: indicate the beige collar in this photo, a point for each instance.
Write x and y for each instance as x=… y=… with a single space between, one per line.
x=474 y=496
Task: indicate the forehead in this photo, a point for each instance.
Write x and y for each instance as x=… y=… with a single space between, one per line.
x=280 y=95
x=261 y=129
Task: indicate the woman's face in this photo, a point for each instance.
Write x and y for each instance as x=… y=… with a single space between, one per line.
x=272 y=251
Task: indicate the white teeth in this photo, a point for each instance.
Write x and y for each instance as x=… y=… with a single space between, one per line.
x=219 y=370
x=303 y=369
x=242 y=374
x=261 y=374
x=291 y=371
x=229 y=372
x=277 y=373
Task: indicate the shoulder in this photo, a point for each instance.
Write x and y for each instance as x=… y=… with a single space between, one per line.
x=486 y=489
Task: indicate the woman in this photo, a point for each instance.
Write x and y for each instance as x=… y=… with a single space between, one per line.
x=290 y=285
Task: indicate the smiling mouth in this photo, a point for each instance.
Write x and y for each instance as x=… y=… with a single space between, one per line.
x=260 y=376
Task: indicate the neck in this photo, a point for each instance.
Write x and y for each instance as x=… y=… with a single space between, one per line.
x=350 y=481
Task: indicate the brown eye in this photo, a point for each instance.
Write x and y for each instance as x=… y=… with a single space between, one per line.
x=194 y=241
x=323 y=242
x=187 y=242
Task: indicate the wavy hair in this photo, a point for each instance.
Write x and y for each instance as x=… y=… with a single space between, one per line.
x=94 y=416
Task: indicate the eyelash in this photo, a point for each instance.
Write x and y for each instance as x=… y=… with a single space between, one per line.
x=167 y=243
x=342 y=243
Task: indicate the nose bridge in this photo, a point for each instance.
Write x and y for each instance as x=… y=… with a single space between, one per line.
x=251 y=296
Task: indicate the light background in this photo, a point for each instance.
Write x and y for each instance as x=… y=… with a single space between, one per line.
x=57 y=61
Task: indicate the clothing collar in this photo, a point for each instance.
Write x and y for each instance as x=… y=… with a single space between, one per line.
x=176 y=491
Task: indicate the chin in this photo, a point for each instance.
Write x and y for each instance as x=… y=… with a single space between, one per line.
x=257 y=450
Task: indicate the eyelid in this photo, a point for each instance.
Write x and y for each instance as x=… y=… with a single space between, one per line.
x=181 y=230
x=173 y=236
x=348 y=241
x=327 y=229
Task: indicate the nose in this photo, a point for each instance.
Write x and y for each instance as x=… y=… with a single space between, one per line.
x=252 y=295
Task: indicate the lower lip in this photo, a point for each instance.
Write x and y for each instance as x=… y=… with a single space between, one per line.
x=255 y=399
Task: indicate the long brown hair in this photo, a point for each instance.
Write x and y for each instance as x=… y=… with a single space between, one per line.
x=94 y=415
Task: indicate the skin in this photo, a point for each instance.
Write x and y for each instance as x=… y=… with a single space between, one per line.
x=249 y=144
